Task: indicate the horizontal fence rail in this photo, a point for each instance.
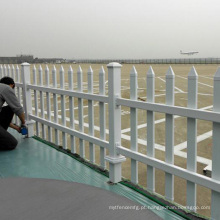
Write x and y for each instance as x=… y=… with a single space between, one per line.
x=57 y=108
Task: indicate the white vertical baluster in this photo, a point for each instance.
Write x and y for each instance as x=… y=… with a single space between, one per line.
x=13 y=72
x=80 y=110
x=150 y=129
x=63 y=106
x=40 y=71
x=4 y=70
x=91 y=115
x=8 y=71
x=1 y=71
x=71 y=110
x=55 y=105
x=133 y=119
x=102 y=116
x=215 y=211
x=192 y=138
x=13 y=77
x=47 y=80
x=36 y=98
x=18 y=80
x=169 y=179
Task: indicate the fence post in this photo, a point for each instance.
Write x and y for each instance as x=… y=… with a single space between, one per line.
x=27 y=101
x=114 y=92
x=215 y=211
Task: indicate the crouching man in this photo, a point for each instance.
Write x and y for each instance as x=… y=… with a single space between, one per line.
x=7 y=94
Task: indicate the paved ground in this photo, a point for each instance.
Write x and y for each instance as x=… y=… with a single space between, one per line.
x=26 y=199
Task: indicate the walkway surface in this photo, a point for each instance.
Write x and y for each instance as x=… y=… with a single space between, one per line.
x=39 y=182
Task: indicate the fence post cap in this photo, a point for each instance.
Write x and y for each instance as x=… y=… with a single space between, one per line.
x=25 y=64
x=114 y=64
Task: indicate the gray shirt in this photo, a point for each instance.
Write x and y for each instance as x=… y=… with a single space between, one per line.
x=7 y=95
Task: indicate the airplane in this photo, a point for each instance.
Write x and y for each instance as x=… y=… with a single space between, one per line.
x=188 y=53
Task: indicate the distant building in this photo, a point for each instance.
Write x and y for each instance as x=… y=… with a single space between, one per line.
x=17 y=60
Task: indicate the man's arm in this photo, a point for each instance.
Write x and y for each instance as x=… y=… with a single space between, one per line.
x=22 y=118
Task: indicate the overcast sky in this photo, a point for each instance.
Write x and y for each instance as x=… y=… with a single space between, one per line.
x=109 y=29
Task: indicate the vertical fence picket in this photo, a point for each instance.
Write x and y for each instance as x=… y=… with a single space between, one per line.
x=36 y=98
x=215 y=211
x=192 y=138
x=102 y=116
x=71 y=110
x=40 y=71
x=80 y=110
x=13 y=72
x=150 y=129
x=13 y=77
x=169 y=179
x=8 y=71
x=55 y=105
x=63 y=107
x=133 y=125
x=1 y=71
x=91 y=115
x=18 y=80
x=4 y=70
x=47 y=81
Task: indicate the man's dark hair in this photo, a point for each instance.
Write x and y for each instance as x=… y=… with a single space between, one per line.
x=7 y=80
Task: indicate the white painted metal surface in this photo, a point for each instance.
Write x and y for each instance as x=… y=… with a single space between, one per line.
x=80 y=110
x=102 y=119
x=133 y=125
x=169 y=183
x=114 y=91
x=191 y=137
x=150 y=129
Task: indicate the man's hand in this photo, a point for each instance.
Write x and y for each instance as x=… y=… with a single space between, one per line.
x=17 y=128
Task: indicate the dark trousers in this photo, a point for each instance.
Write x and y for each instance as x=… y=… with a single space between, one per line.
x=7 y=141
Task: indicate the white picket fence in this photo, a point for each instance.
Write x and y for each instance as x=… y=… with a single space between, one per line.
x=117 y=153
